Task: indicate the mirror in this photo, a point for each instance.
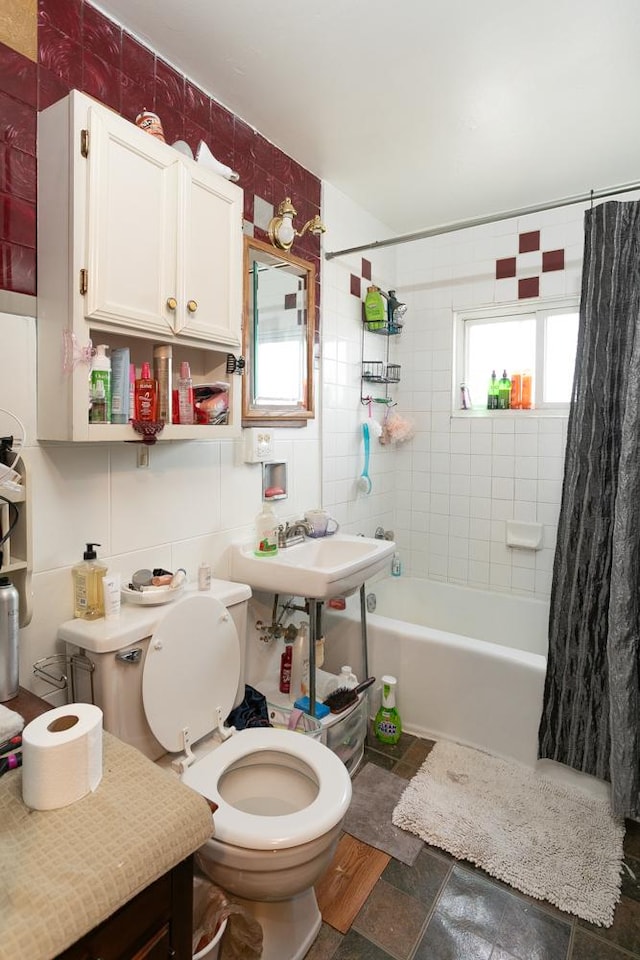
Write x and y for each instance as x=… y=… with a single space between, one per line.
x=278 y=334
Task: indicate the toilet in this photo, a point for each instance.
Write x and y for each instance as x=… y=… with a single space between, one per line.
x=166 y=678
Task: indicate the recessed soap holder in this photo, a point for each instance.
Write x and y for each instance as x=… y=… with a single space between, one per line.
x=274 y=480
x=523 y=535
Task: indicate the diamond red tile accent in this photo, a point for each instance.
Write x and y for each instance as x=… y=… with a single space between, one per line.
x=366 y=269
x=505 y=268
x=356 y=286
x=101 y=80
x=529 y=241
x=64 y=15
x=61 y=55
x=552 y=260
x=18 y=221
x=528 y=287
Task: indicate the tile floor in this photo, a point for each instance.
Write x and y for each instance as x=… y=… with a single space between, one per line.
x=445 y=909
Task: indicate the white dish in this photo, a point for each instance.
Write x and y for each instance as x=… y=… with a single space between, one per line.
x=151 y=596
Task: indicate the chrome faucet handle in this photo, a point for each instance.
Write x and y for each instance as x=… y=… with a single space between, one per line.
x=379 y=534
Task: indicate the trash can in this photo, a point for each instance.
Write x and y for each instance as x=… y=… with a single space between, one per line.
x=207 y=931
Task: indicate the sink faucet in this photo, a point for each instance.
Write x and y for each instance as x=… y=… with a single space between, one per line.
x=291 y=533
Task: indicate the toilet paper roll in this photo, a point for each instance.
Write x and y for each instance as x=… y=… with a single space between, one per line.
x=61 y=756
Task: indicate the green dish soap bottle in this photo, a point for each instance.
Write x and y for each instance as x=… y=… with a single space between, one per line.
x=388 y=725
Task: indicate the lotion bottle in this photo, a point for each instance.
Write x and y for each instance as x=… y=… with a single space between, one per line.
x=88 y=597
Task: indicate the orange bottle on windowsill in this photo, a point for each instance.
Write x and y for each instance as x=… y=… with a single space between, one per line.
x=515 y=401
x=526 y=391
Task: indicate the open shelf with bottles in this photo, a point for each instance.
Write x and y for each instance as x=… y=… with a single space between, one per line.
x=16 y=549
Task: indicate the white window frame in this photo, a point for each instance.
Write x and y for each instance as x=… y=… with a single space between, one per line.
x=508 y=311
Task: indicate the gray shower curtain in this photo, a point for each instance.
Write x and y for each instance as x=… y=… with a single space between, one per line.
x=590 y=718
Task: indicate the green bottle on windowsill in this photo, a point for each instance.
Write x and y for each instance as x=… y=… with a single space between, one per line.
x=387 y=725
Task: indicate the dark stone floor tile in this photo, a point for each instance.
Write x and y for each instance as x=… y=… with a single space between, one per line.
x=625 y=930
x=419 y=751
x=395 y=750
x=326 y=944
x=405 y=770
x=528 y=933
x=630 y=881
x=632 y=838
x=465 y=921
x=379 y=759
x=586 y=947
x=423 y=880
x=356 y=947
x=391 y=919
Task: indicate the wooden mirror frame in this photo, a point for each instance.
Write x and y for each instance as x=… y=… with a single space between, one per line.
x=275 y=415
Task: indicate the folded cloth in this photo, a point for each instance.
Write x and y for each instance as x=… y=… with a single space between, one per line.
x=10 y=723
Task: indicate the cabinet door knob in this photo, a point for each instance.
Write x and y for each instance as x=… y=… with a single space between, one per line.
x=172 y=303
x=192 y=306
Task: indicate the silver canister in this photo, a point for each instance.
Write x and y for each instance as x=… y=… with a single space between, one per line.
x=9 y=616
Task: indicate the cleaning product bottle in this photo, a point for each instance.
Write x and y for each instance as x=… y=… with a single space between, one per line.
x=146 y=395
x=100 y=373
x=492 y=394
x=396 y=565
x=387 y=725
x=88 y=598
x=504 y=391
x=185 y=394
x=375 y=312
x=515 y=400
x=347 y=678
x=266 y=533
x=286 y=660
x=299 y=686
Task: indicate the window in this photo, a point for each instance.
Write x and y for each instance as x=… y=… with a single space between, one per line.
x=540 y=342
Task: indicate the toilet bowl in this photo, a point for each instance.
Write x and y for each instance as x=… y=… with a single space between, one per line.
x=281 y=796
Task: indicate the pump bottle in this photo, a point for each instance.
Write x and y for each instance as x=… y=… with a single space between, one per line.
x=266 y=533
x=100 y=386
x=146 y=395
x=88 y=598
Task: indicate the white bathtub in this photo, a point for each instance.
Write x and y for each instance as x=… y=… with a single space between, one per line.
x=470 y=663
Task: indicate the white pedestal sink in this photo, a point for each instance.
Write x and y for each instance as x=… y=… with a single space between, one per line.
x=318 y=568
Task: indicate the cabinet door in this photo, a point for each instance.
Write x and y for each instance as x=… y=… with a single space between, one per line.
x=131 y=235
x=209 y=257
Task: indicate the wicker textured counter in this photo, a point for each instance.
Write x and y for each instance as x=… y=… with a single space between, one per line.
x=64 y=871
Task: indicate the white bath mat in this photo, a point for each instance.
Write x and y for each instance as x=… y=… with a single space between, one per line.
x=551 y=841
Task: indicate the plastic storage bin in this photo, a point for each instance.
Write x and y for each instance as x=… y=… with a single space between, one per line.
x=279 y=718
x=347 y=737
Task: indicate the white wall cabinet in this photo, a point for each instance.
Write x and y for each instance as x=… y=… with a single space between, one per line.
x=137 y=245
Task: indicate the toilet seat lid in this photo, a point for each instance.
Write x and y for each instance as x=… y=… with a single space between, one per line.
x=191 y=669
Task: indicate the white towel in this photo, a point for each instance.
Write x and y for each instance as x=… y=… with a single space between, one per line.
x=10 y=723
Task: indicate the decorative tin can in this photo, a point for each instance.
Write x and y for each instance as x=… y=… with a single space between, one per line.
x=151 y=123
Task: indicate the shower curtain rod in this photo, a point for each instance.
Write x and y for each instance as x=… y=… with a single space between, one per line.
x=491 y=218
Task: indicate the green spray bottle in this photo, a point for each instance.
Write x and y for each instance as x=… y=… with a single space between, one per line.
x=388 y=725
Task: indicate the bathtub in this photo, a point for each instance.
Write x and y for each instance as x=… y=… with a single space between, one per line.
x=470 y=663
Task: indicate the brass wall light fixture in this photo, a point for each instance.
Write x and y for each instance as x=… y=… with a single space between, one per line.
x=281 y=230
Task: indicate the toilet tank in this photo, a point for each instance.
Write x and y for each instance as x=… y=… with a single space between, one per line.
x=118 y=648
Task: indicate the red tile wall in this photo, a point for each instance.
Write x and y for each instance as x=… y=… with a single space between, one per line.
x=78 y=47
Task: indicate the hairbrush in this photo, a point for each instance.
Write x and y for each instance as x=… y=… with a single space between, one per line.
x=345 y=697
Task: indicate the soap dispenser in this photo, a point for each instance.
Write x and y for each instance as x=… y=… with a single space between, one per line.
x=88 y=598
x=266 y=533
